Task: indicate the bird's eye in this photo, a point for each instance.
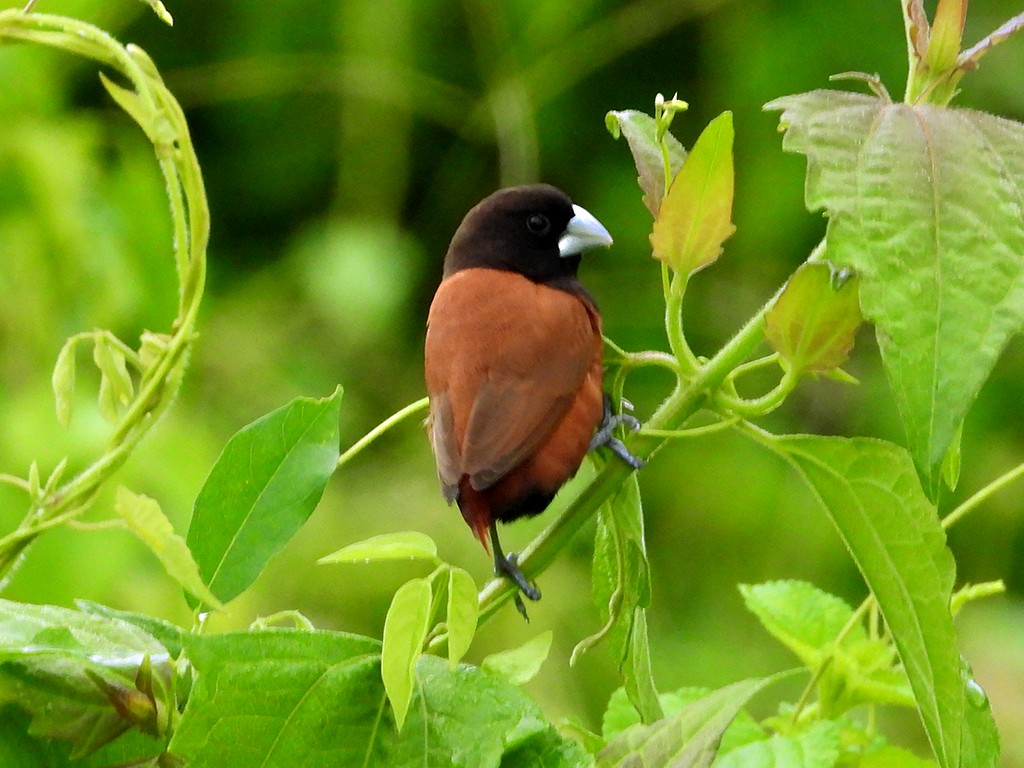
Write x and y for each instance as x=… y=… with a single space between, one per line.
x=538 y=224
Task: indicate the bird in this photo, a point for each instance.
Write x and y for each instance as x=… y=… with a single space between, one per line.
x=512 y=362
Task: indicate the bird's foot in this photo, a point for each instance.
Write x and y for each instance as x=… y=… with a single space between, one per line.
x=510 y=569
x=605 y=434
x=508 y=566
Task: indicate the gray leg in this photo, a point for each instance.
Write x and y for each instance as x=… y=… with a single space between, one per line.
x=506 y=566
x=605 y=434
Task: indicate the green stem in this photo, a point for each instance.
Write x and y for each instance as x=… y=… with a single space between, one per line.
x=670 y=416
x=677 y=344
x=190 y=218
x=976 y=500
x=760 y=405
x=707 y=429
x=410 y=410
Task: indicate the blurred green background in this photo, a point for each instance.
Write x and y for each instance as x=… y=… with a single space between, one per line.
x=341 y=143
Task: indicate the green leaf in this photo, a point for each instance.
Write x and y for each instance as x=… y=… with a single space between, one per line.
x=82 y=679
x=802 y=617
x=286 y=698
x=622 y=592
x=280 y=697
x=63 y=381
x=170 y=636
x=817 y=747
x=950 y=468
x=639 y=130
x=621 y=714
x=813 y=323
x=161 y=12
x=405 y=629
x=695 y=218
x=924 y=205
x=871 y=493
x=152 y=118
x=520 y=665
x=688 y=738
x=406 y=545
x=946 y=32
x=19 y=750
x=266 y=483
x=116 y=387
x=143 y=517
x=463 y=609
x=893 y=757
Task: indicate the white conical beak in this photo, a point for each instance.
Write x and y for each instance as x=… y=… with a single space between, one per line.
x=583 y=232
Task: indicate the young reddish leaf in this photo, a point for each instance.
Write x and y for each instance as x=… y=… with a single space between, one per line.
x=917 y=27
x=813 y=323
x=968 y=60
x=639 y=130
x=696 y=215
x=405 y=629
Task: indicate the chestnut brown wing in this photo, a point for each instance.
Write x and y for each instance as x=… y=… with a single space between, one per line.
x=504 y=357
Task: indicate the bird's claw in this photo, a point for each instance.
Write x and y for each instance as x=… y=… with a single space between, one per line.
x=605 y=434
x=508 y=566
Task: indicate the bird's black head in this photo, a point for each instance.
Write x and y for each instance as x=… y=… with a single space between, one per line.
x=534 y=230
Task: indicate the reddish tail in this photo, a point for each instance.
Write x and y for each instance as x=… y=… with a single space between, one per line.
x=476 y=511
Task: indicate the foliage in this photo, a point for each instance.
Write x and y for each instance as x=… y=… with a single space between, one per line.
x=919 y=243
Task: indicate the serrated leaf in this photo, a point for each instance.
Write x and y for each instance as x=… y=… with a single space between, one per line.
x=695 y=218
x=520 y=665
x=264 y=486
x=688 y=738
x=405 y=629
x=405 y=545
x=802 y=617
x=621 y=714
x=872 y=495
x=813 y=323
x=924 y=205
x=143 y=517
x=76 y=674
x=63 y=381
x=639 y=132
x=816 y=747
x=463 y=610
